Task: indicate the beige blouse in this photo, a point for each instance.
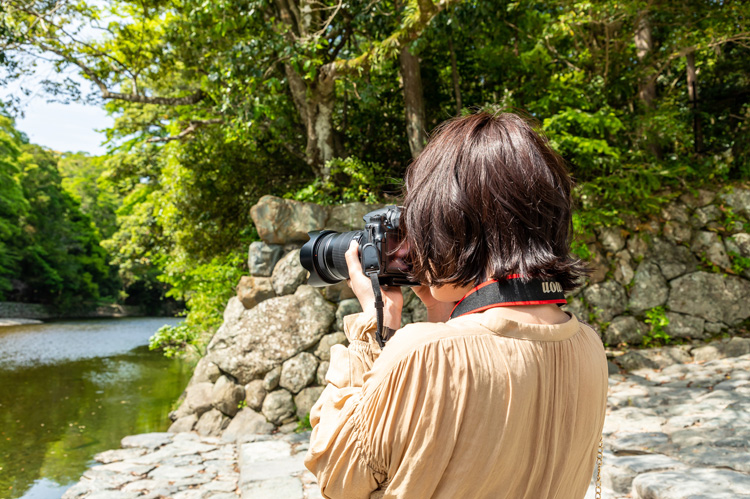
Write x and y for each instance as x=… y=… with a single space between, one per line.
x=477 y=407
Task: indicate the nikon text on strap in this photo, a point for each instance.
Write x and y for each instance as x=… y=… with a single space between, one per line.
x=509 y=292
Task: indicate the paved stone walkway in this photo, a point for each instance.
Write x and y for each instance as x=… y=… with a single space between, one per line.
x=682 y=432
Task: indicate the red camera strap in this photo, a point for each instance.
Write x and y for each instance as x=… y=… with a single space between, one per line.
x=509 y=292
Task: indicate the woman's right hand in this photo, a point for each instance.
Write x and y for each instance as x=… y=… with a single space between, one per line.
x=437 y=311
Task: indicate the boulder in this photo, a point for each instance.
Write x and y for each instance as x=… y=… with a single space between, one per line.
x=623 y=267
x=337 y=292
x=703 y=216
x=271 y=379
x=183 y=424
x=233 y=311
x=633 y=361
x=346 y=307
x=306 y=399
x=278 y=407
x=711 y=245
x=678 y=233
x=271 y=332
x=288 y=274
x=298 y=372
x=598 y=264
x=606 y=299
x=649 y=288
x=281 y=221
x=639 y=247
x=684 y=326
x=624 y=329
x=205 y=372
x=253 y=290
x=348 y=217
x=226 y=396
x=323 y=352
x=736 y=347
x=197 y=401
x=254 y=394
x=245 y=425
x=676 y=212
x=321 y=374
x=698 y=199
x=713 y=297
x=611 y=239
x=740 y=244
x=673 y=260
x=739 y=200
x=262 y=258
x=211 y=423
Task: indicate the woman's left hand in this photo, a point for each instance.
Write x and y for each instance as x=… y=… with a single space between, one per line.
x=393 y=300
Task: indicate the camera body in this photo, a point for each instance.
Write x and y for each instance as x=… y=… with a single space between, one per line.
x=323 y=255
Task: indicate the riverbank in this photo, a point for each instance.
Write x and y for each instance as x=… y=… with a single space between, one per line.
x=11 y=321
x=671 y=433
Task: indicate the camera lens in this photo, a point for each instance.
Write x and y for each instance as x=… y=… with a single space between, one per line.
x=324 y=256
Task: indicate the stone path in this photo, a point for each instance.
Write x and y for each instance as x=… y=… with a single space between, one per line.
x=682 y=432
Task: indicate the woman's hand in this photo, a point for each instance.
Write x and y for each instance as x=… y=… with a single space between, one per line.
x=393 y=300
x=437 y=311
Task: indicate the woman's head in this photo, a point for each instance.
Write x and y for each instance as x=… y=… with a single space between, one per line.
x=488 y=198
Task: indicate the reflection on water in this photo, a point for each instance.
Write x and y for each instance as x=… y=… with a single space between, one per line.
x=70 y=390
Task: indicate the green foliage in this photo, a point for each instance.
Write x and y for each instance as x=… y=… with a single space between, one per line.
x=205 y=289
x=351 y=180
x=656 y=336
x=739 y=263
x=304 y=424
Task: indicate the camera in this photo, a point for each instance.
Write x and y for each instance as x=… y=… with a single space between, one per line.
x=323 y=255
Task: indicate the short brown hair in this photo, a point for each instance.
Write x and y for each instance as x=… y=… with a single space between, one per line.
x=488 y=198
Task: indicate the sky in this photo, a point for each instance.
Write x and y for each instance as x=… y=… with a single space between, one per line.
x=61 y=127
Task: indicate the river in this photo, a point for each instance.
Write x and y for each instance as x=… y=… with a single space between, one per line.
x=71 y=389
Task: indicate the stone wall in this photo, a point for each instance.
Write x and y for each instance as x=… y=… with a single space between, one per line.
x=15 y=310
x=12 y=309
x=265 y=366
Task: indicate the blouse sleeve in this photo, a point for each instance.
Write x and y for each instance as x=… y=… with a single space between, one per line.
x=335 y=455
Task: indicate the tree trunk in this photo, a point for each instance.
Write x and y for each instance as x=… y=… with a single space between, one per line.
x=315 y=102
x=692 y=84
x=413 y=101
x=644 y=45
x=454 y=73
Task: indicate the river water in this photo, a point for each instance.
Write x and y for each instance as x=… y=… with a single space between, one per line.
x=71 y=389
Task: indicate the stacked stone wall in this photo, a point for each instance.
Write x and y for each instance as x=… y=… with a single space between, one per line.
x=265 y=367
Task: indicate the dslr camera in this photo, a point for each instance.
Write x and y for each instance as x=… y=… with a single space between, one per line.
x=323 y=255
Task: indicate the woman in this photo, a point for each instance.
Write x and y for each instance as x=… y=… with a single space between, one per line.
x=506 y=401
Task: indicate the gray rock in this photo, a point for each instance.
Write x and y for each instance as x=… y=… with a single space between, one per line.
x=678 y=233
x=255 y=392
x=233 y=311
x=323 y=351
x=740 y=244
x=737 y=347
x=346 y=307
x=598 y=264
x=698 y=199
x=278 y=406
x=270 y=333
x=576 y=306
x=198 y=399
x=624 y=329
x=298 y=372
x=322 y=370
x=288 y=274
x=692 y=483
x=226 y=395
x=611 y=239
x=306 y=399
x=710 y=245
x=713 y=327
x=246 y=424
x=347 y=217
x=211 y=423
x=183 y=424
x=638 y=246
x=703 y=216
x=149 y=441
x=677 y=212
x=205 y=372
x=707 y=353
x=281 y=221
x=649 y=288
x=739 y=200
x=623 y=268
x=673 y=260
x=711 y=296
x=632 y=361
x=262 y=258
x=271 y=379
x=337 y=292
x=684 y=326
x=253 y=290
x=606 y=299
x=620 y=471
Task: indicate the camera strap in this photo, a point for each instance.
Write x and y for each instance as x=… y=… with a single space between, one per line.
x=382 y=334
x=509 y=292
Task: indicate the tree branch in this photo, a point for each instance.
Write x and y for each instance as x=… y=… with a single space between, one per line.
x=193 y=126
